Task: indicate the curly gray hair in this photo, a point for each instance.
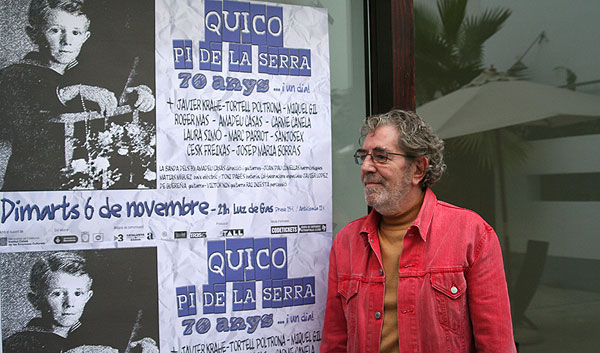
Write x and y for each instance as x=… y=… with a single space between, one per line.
x=416 y=139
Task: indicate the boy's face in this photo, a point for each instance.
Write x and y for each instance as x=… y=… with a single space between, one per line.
x=63 y=35
x=66 y=296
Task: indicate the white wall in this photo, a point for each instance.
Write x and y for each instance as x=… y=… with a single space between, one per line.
x=572 y=228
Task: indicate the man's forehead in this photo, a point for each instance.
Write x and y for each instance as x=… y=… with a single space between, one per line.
x=384 y=137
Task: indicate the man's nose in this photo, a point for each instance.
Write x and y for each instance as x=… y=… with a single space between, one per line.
x=368 y=165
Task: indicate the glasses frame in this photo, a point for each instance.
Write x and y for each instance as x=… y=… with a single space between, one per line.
x=358 y=160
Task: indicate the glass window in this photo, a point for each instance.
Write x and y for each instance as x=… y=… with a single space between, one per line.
x=525 y=154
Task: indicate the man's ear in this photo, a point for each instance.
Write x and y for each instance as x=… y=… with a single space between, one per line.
x=87 y=35
x=420 y=165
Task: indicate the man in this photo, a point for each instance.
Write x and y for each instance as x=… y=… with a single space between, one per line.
x=416 y=274
x=61 y=287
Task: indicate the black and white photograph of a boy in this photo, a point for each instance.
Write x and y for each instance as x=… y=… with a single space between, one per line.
x=77 y=94
x=79 y=301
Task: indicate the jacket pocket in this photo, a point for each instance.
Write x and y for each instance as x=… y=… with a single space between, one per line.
x=348 y=289
x=451 y=300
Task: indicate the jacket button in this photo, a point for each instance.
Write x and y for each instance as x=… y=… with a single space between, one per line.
x=378 y=315
x=381 y=272
x=453 y=290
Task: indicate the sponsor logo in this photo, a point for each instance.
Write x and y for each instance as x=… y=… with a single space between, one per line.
x=284 y=229
x=98 y=237
x=135 y=236
x=313 y=228
x=232 y=232
x=3 y=241
x=65 y=239
x=180 y=234
x=85 y=237
x=197 y=234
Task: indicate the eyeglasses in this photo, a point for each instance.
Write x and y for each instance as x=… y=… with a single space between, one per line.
x=378 y=155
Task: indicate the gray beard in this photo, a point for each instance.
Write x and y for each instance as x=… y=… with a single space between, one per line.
x=388 y=204
x=392 y=202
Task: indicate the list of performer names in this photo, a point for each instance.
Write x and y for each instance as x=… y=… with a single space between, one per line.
x=247 y=131
x=298 y=342
x=243 y=128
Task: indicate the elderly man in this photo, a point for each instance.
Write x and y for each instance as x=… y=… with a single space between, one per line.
x=416 y=274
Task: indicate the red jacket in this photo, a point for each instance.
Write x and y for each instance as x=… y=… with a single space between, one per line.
x=452 y=294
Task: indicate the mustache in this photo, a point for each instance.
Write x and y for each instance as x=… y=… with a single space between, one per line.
x=372 y=179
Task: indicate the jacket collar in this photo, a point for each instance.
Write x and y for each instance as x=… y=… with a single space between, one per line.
x=423 y=221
